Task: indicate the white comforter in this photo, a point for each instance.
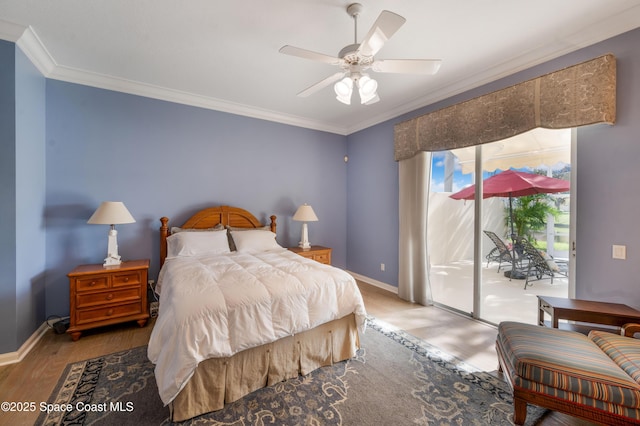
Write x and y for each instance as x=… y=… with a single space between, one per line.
x=218 y=305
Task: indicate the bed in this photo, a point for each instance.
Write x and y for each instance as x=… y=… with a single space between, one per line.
x=233 y=320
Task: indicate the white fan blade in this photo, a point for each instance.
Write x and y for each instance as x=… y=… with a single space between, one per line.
x=321 y=84
x=308 y=54
x=407 y=66
x=385 y=26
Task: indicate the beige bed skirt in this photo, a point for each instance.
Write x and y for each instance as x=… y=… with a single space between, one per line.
x=223 y=380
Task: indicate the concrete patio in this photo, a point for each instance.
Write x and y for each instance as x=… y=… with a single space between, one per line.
x=502 y=299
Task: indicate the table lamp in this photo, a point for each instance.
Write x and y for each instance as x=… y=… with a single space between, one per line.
x=305 y=214
x=111 y=213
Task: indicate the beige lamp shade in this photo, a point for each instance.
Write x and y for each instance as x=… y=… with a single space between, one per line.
x=111 y=213
x=305 y=214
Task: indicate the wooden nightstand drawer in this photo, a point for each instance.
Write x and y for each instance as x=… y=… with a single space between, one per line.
x=317 y=253
x=126 y=279
x=92 y=283
x=107 y=313
x=322 y=258
x=115 y=296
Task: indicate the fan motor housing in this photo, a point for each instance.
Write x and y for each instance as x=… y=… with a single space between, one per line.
x=350 y=55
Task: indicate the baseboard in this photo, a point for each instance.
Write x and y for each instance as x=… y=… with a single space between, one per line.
x=17 y=356
x=375 y=283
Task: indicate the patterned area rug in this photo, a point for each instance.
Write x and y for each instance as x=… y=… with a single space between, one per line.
x=395 y=379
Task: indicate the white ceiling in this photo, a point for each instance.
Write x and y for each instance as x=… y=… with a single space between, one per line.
x=223 y=55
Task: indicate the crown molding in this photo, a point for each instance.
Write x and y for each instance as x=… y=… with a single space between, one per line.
x=27 y=39
x=10 y=31
x=87 y=78
x=37 y=52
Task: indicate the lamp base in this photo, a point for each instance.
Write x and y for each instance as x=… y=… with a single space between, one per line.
x=113 y=258
x=112 y=261
x=304 y=240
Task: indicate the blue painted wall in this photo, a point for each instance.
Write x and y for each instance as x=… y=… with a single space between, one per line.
x=608 y=194
x=30 y=197
x=8 y=332
x=166 y=159
x=372 y=209
x=22 y=168
x=608 y=198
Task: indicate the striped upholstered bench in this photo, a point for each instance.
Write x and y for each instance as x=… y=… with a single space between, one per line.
x=595 y=377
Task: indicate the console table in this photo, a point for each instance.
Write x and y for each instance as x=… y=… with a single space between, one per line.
x=582 y=313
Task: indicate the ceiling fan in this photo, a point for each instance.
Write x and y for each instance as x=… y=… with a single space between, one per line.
x=357 y=58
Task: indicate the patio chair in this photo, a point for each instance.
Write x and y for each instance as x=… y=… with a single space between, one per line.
x=540 y=265
x=500 y=253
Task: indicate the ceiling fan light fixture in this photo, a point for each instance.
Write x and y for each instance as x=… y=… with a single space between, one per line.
x=354 y=59
x=367 y=88
x=343 y=89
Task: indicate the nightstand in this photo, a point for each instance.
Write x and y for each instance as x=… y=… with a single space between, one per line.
x=317 y=253
x=104 y=295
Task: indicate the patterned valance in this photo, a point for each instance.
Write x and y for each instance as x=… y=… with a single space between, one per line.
x=575 y=96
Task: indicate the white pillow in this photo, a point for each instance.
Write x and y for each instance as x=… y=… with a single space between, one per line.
x=197 y=243
x=254 y=241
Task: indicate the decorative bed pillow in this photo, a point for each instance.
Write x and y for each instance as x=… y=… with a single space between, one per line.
x=175 y=229
x=197 y=243
x=254 y=240
x=232 y=244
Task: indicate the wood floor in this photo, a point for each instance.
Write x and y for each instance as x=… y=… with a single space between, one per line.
x=34 y=378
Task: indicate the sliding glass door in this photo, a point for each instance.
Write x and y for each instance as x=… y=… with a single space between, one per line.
x=471 y=248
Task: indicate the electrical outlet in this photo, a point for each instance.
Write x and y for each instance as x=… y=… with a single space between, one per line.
x=382 y=267
x=153 y=309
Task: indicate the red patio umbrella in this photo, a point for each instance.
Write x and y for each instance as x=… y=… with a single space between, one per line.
x=512 y=183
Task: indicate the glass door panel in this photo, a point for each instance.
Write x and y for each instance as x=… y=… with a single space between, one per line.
x=450 y=235
x=539 y=222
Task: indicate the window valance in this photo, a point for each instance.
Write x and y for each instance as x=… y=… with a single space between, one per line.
x=575 y=96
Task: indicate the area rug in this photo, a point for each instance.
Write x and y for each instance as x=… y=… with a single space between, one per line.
x=395 y=379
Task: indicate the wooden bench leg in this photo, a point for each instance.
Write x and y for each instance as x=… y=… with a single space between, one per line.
x=519 y=410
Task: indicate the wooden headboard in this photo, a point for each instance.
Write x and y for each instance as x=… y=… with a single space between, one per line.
x=210 y=217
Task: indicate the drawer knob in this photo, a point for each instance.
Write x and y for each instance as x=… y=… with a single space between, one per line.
x=92 y=283
x=110 y=312
x=126 y=279
x=109 y=296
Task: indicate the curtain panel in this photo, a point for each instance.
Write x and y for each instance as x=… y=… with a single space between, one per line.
x=413 y=250
x=574 y=96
